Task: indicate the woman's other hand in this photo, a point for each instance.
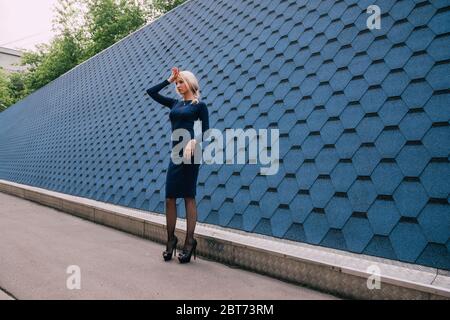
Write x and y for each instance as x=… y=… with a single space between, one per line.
x=174 y=75
x=189 y=149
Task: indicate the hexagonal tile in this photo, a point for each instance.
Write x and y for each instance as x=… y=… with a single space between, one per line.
x=356 y=88
x=380 y=246
x=361 y=195
x=398 y=56
x=301 y=206
x=311 y=146
x=373 y=99
x=306 y=175
x=401 y=10
x=331 y=131
x=313 y=63
x=321 y=192
x=408 y=241
x=317 y=119
x=439 y=22
x=326 y=160
x=414 y=125
x=417 y=94
x=369 y=129
x=343 y=57
x=383 y=217
x=293 y=159
x=438 y=77
x=389 y=143
x=435 y=222
x=436 y=108
x=365 y=160
x=308 y=85
x=435 y=255
x=399 y=32
x=421 y=14
x=412 y=159
x=395 y=83
x=343 y=176
x=435 y=179
x=351 y=116
x=326 y=71
x=362 y=41
x=298 y=133
x=241 y=200
x=419 y=65
x=410 y=197
x=334 y=28
x=334 y=239
x=281 y=221
x=437 y=48
x=316 y=227
x=347 y=144
x=288 y=188
x=357 y=233
x=340 y=79
x=226 y=213
x=258 y=187
x=318 y=42
x=296 y=233
x=386 y=177
x=322 y=94
x=392 y=111
x=437 y=141
x=338 y=211
x=359 y=64
x=268 y=204
x=336 y=104
x=379 y=48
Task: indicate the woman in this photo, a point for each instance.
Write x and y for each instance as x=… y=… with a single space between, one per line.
x=181 y=179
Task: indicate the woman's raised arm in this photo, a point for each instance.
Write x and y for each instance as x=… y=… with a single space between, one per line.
x=154 y=93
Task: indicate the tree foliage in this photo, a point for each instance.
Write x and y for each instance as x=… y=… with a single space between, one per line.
x=83 y=28
x=167 y=5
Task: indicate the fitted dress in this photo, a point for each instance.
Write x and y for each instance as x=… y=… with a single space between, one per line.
x=181 y=179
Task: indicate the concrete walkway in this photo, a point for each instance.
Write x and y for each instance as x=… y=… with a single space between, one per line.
x=4 y=296
x=38 y=244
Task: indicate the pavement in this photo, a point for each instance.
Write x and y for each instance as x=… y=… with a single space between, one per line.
x=43 y=251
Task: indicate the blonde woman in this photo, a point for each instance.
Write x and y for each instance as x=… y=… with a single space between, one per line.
x=181 y=179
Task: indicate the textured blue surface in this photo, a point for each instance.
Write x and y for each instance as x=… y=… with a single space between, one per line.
x=363 y=118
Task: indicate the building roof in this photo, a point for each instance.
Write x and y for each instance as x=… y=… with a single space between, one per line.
x=12 y=52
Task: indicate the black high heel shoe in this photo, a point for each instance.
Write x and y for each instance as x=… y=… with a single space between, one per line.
x=185 y=255
x=172 y=245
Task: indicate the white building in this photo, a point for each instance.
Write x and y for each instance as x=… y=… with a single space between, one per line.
x=10 y=60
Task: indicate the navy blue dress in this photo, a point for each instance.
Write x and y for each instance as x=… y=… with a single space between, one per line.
x=181 y=179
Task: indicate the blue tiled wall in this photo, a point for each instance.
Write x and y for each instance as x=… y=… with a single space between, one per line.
x=363 y=118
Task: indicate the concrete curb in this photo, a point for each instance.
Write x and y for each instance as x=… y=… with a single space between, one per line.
x=337 y=272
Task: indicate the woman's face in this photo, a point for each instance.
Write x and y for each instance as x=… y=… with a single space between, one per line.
x=181 y=86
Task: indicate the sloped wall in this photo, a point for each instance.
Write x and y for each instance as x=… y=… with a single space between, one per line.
x=363 y=119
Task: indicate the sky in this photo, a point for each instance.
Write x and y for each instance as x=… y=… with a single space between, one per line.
x=25 y=23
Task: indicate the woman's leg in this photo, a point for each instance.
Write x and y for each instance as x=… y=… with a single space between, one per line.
x=171 y=217
x=191 y=215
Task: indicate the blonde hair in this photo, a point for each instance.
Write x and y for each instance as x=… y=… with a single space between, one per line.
x=192 y=83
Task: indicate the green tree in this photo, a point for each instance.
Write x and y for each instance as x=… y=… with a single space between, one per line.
x=5 y=91
x=17 y=86
x=108 y=21
x=166 y=5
